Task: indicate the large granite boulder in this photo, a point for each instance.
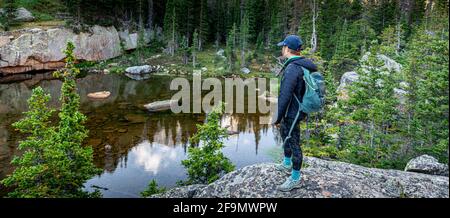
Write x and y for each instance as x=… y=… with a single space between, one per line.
x=428 y=165
x=139 y=72
x=321 y=179
x=346 y=80
x=390 y=65
x=43 y=49
x=129 y=40
x=23 y=15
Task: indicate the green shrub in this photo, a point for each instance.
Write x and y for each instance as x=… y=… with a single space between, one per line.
x=207 y=163
x=152 y=189
x=54 y=164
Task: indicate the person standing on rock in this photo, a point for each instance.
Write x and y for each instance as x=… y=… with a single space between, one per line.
x=292 y=85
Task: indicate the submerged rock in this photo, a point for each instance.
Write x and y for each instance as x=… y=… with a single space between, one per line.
x=160 y=105
x=108 y=147
x=99 y=95
x=94 y=142
x=135 y=118
x=320 y=179
x=428 y=165
x=232 y=132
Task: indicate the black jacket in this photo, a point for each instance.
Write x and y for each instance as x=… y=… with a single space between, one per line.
x=292 y=82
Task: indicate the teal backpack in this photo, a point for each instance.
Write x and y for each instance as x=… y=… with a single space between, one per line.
x=314 y=98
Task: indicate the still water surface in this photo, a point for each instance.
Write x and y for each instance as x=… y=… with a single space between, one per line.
x=143 y=146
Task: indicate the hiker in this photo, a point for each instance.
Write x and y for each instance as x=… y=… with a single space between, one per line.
x=289 y=115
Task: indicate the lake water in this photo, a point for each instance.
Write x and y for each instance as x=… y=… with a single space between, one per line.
x=144 y=146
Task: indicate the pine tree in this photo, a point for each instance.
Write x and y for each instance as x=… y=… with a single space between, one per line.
x=372 y=108
x=7 y=18
x=185 y=50
x=276 y=28
x=74 y=7
x=205 y=164
x=427 y=74
x=54 y=165
x=195 y=46
x=383 y=14
x=150 y=8
x=244 y=39
x=171 y=26
x=203 y=26
x=185 y=18
x=331 y=19
x=231 y=48
x=392 y=40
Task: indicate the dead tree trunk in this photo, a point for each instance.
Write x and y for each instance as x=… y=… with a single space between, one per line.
x=399 y=37
x=315 y=15
x=150 y=14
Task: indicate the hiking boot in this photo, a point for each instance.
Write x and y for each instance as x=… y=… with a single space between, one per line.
x=285 y=169
x=289 y=185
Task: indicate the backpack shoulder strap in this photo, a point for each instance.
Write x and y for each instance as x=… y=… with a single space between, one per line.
x=302 y=77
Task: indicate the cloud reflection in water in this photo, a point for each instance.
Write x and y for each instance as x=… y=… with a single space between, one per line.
x=153 y=157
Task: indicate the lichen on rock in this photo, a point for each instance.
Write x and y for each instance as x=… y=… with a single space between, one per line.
x=321 y=179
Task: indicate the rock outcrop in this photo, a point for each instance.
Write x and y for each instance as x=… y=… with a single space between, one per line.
x=221 y=54
x=389 y=65
x=321 y=179
x=428 y=165
x=21 y=15
x=245 y=70
x=142 y=72
x=129 y=41
x=4 y=40
x=43 y=49
x=346 y=80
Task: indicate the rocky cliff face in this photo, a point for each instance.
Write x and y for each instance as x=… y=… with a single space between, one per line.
x=38 y=49
x=321 y=179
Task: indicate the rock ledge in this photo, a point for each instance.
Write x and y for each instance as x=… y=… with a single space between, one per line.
x=321 y=179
